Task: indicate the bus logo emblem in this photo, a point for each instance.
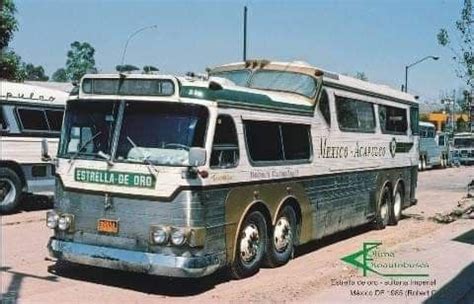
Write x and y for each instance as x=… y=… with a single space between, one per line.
x=393 y=147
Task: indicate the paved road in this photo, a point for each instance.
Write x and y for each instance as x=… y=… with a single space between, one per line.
x=29 y=276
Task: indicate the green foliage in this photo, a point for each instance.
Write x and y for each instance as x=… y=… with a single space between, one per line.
x=60 y=75
x=126 y=68
x=35 y=73
x=8 y=23
x=150 y=68
x=463 y=49
x=361 y=76
x=80 y=60
x=11 y=67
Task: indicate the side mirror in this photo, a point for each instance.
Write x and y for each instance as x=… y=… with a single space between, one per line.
x=44 y=150
x=197 y=157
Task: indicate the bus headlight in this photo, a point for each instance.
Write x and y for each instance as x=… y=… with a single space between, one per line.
x=65 y=222
x=159 y=236
x=178 y=237
x=52 y=219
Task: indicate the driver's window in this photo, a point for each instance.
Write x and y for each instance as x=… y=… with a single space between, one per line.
x=225 y=148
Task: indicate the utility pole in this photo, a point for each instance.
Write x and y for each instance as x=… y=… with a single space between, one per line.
x=245 y=34
x=452 y=112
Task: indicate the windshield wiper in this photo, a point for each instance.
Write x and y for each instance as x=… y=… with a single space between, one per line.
x=83 y=146
x=151 y=167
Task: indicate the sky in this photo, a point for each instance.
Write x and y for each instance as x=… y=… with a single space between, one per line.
x=377 y=37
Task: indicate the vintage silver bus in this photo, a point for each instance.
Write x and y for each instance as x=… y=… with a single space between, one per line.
x=30 y=119
x=180 y=176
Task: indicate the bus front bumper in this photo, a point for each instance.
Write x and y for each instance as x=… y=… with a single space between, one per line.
x=136 y=261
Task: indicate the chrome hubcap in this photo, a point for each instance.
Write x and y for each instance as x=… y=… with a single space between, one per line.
x=7 y=192
x=282 y=234
x=397 y=204
x=249 y=243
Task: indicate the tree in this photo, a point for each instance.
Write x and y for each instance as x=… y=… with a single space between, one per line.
x=361 y=76
x=8 y=24
x=150 y=69
x=463 y=45
x=10 y=63
x=35 y=73
x=11 y=67
x=80 y=60
x=126 y=68
x=60 y=75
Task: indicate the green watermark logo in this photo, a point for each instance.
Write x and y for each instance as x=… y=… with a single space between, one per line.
x=373 y=259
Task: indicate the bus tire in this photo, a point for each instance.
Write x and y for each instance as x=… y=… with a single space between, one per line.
x=10 y=190
x=383 y=207
x=280 y=245
x=396 y=206
x=251 y=245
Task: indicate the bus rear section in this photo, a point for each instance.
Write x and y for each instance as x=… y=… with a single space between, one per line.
x=434 y=150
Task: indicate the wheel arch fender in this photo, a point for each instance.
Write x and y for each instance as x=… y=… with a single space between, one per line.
x=15 y=167
x=256 y=205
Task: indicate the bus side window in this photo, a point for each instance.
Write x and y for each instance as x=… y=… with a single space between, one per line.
x=3 y=122
x=441 y=140
x=55 y=119
x=33 y=119
x=225 y=148
x=324 y=107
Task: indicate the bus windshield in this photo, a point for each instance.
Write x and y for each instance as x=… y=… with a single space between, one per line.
x=88 y=128
x=272 y=80
x=161 y=133
x=463 y=142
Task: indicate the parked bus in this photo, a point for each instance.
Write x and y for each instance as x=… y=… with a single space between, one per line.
x=434 y=147
x=182 y=176
x=30 y=119
x=463 y=148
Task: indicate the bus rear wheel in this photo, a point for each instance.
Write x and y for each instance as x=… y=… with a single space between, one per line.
x=251 y=243
x=422 y=163
x=383 y=207
x=10 y=190
x=396 y=206
x=444 y=161
x=280 y=246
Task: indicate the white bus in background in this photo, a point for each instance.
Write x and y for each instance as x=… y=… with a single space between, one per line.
x=30 y=120
x=462 y=149
x=434 y=147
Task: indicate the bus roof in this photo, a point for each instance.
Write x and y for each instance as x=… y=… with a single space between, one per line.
x=330 y=79
x=426 y=124
x=464 y=134
x=31 y=94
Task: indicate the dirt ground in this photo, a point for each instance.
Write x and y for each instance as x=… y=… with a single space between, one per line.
x=28 y=275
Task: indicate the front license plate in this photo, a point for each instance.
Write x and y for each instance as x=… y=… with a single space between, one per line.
x=107 y=226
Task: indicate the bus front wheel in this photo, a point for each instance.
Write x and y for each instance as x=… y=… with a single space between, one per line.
x=280 y=246
x=383 y=207
x=10 y=190
x=251 y=243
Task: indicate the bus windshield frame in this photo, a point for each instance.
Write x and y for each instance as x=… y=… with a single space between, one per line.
x=139 y=132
